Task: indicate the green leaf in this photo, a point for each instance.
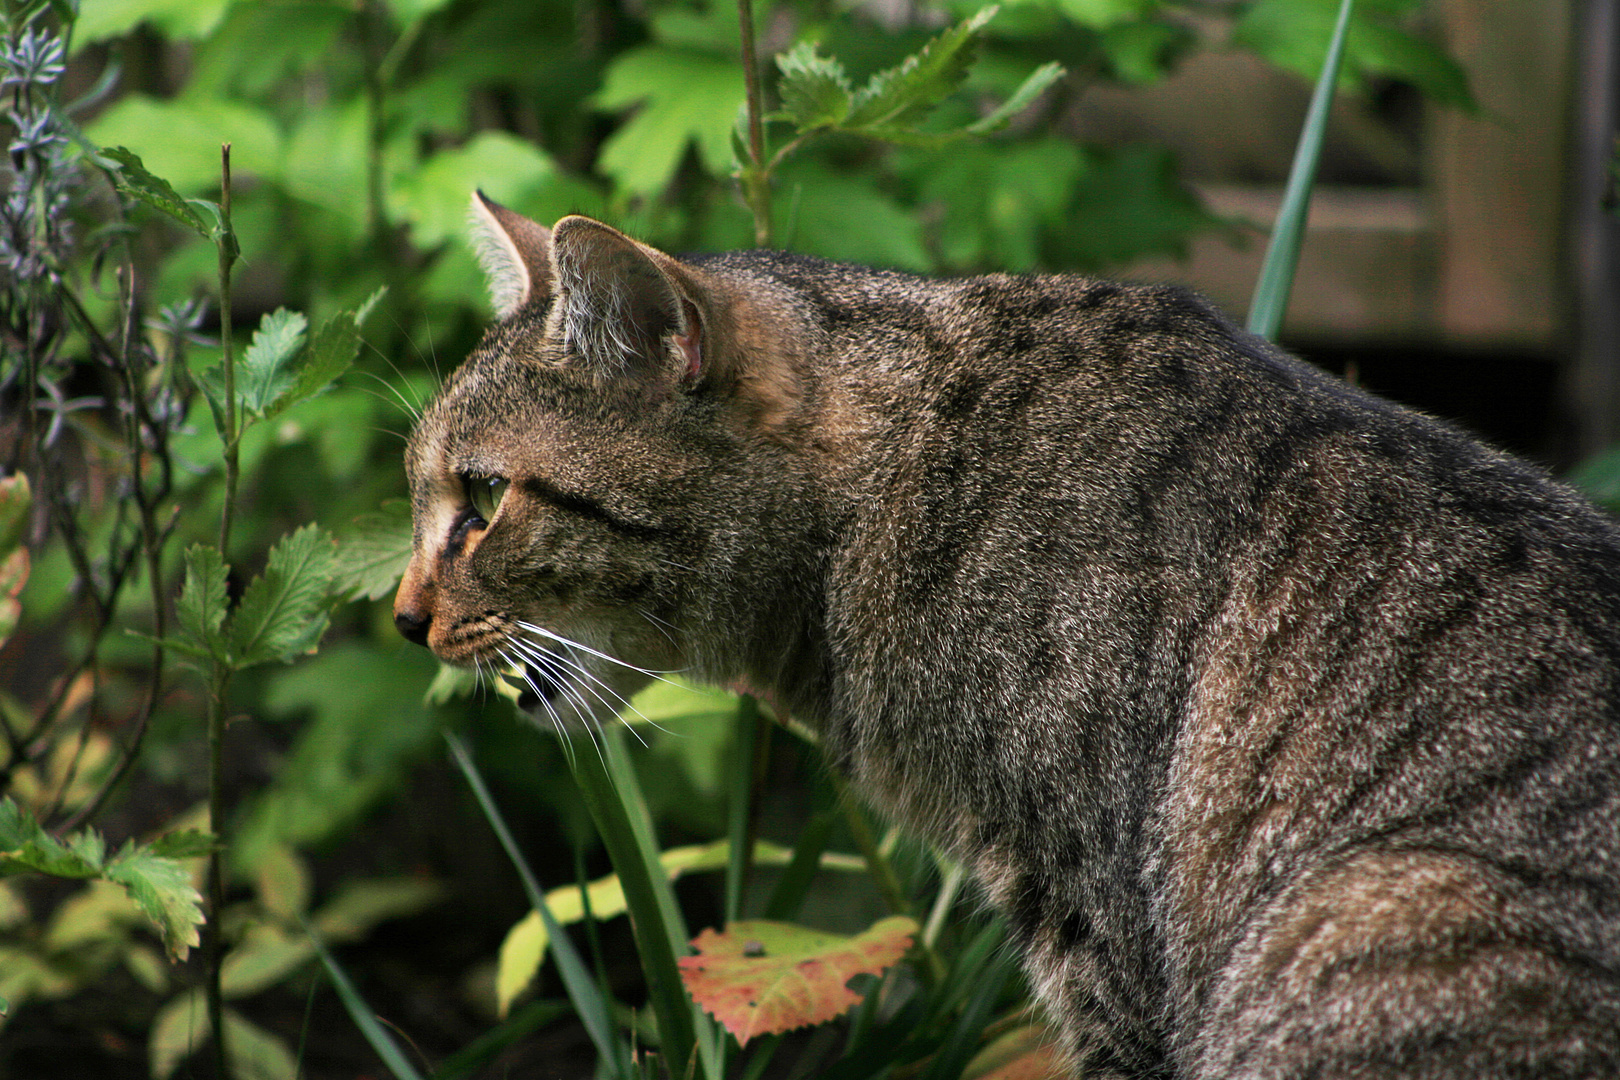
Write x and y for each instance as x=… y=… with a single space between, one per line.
x=179 y=138
x=361 y=905
x=162 y=887
x=266 y=955
x=282 y=614
x=186 y=844
x=686 y=97
x=178 y=1030
x=330 y=352
x=1288 y=234
x=997 y=202
x=131 y=177
x=1294 y=35
x=201 y=608
x=264 y=373
x=903 y=95
x=889 y=234
x=180 y=19
x=1101 y=14
x=433 y=198
x=1027 y=92
x=1142 y=52
x=24 y=846
x=372 y=554
x=363 y=725
x=815 y=91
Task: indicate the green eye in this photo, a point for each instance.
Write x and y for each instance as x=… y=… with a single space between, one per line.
x=484 y=492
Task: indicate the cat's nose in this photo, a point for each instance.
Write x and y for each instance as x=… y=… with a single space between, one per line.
x=413 y=625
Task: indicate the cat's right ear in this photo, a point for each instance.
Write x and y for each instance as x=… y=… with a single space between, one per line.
x=514 y=252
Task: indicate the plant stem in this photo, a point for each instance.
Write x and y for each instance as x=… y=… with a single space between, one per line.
x=756 y=175
x=214 y=942
x=227 y=259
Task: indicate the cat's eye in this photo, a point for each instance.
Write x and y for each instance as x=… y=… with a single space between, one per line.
x=484 y=492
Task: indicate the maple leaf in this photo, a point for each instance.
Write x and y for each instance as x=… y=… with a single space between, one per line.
x=763 y=978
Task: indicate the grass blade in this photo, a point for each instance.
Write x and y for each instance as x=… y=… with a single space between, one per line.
x=613 y=797
x=1282 y=254
x=587 y=998
x=380 y=1040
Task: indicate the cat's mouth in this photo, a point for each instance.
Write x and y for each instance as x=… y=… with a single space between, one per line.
x=535 y=688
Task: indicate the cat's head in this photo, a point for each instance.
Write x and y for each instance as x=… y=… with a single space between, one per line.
x=589 y=487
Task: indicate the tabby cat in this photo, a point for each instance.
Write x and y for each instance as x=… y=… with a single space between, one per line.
x=1282 y=722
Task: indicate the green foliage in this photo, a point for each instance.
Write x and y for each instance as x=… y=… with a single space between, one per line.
x=151 y=874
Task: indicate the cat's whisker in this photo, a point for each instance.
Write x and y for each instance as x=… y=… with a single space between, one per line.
x=395 y=397
x=572 y=644
x=663 y=626
x=553 y=664
x=544 y=702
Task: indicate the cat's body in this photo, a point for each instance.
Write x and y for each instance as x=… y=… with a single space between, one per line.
x=1283 y=723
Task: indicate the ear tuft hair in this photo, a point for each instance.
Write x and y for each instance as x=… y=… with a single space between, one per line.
x=514 y=252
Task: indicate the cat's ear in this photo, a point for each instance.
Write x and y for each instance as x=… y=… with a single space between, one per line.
x=514 y=252
x=627 y=309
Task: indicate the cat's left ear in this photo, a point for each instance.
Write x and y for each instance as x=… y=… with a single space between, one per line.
x=514 y=252
x=627 y=309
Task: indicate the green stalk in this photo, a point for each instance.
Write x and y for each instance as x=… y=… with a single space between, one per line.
x=227 y=261
x=588 y=1001
x=613 y=797
x=756 y=175
x=361 y=1014
x=1287 y=236
x=753 y=744
x=215 y=947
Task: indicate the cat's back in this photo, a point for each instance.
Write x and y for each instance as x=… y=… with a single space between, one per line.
x=1125 y=587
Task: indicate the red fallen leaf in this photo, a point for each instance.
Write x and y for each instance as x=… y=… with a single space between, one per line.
x=764 y=978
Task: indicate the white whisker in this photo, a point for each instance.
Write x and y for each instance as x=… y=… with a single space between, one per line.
x=572 y=644
x=553 y=664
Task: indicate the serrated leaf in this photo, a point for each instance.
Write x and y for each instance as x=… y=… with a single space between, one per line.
x=282 y=614
x=132 y=179
x=1027 y=92
x=330 y=352
x=264 y=374
x=686 y=97
x=372 y=554
x=904 y=94
x=763 y=978
x=814 y=90
x=25 y=846
x=200 y=611
x=162 y=887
